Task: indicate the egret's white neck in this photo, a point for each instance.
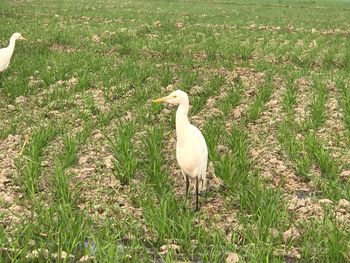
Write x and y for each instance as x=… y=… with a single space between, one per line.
x=182 y=121
x=11 y=46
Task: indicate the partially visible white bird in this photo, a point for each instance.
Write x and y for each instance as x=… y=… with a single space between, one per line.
x=191 y=148
x=6 y=53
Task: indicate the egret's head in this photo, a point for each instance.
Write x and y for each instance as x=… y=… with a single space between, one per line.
x=176 y=97
x=18 y=36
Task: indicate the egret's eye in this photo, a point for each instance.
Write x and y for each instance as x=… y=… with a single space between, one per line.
x=174 y=96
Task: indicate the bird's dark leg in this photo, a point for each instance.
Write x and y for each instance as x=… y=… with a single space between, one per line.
x=197 y=203
x=187 y=184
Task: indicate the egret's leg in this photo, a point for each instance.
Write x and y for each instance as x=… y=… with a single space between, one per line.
x=187 y=184
x=204 y=183
x=184 y=175
x=201 y=185
x=187 y=181
x=197 y=203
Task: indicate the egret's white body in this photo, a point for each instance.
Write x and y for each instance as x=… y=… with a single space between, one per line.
x=191 y=148
x=6 y=53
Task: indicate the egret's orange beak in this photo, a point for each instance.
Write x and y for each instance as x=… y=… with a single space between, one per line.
x=22 y=38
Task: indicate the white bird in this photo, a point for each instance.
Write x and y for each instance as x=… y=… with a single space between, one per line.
x=6 y=53
x=191 y=148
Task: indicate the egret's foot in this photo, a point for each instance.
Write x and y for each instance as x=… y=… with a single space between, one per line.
x=183 y=206
x=206 y=191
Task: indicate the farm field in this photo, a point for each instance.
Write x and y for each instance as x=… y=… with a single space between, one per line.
x=87 y=162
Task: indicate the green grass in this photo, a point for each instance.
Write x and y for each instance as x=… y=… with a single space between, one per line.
x=317 y=107
x=264 y=93
x=83 y=85
x=125 y=163
x=30 y=168
x=233 y=97
x=295 y=149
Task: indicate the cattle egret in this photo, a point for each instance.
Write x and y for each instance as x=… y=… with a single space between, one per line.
x=6 y=53
x=191 y=148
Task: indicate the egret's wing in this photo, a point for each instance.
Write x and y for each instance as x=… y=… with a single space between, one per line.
x=200 y=144
x=199 y=138
x=201 y=153
x=4 y=58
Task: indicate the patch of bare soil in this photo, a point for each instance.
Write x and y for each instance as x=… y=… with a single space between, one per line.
x=10 y=194
x=5 y=112
x=308 y=209
x=101 y=193
x=218 y=216
x=251 y=80
x=304 y=97
x=150 y=53
x=199 y=56
x=61 y=48
x=48 y=166
x=335 y=31
x=332 y=132
x=266 y=152
x=272 y=161
x=276 y=29
x=231 y=77
x=44 y=107
x=65 y=84
x=291 y=254
x=94 y=176
x=249 y=77
x=275 y=167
